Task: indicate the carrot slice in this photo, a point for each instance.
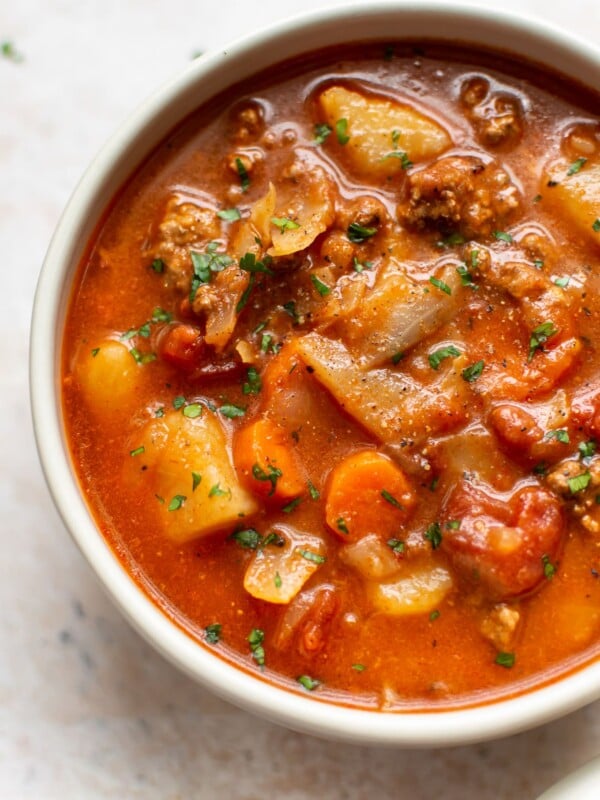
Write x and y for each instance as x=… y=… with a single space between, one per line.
x=266 y=463
x=368 y=493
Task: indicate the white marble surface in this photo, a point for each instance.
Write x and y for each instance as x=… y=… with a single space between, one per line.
x=86 y=708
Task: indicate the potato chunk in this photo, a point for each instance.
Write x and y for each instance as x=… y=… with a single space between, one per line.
x=376 y=127
x=417 y=593
x=108 y=376
x=575 y=196
x=276 y=574
x=188 y=466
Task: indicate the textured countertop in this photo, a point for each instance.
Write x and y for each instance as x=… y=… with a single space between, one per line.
x=87 y=709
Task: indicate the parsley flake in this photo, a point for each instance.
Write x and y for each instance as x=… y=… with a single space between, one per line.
x=506 y=660
x=433 y=534
x=229 y=214
x=321 y=287
x=391 y=499
x=213 y=633
x=539 y=336
x=255 y=640
x=322 y=131
x=549 y=567
x=502 y=236
x=284 y=224
x=440 y=285
x=243 y=174
x=272 y=475
x=579 y=483
x=314 y=557
x=253 y=382
x=341 y=525
x=473 y=371
x=576 y=166
x=560 y=436
x=358 y=233
x=310 y=684
x=176 y=502
x=231 y=412
x=138 y=451
x=436 y=358
x=341 y=131
x=396 y=545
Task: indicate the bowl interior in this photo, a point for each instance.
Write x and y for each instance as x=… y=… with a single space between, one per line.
x=127 y=149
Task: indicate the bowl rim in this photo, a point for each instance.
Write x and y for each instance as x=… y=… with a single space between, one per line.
x=140 y=133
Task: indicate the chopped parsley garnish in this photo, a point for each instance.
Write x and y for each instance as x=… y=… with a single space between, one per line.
x=265 y=342
x=587 y=449
x=142 y=358
x=176 y=502
x=245 y=295
x=272 y=475
x=229 y=214
x=192 y=410
x=436 y=358
x=440 y=285
x=395 y=139
x=397 y=545
x=213 y=633
x=322 y=131
x=453 y=524
x=397 y=357
x=538 y=263
x=466 y=279
x=287 y=509
x=231 y=412
x=261 y=326
x=216 y=491
x=95 y=352
x=341 y=131
x=314 y=557
x=253 y=383
x=502 y=236
x=290 y=309
x=360 y=233
x=206 y=263
x=158 y=265
x=196 y=480
x=451 y=241
x=8 y=51
x=255 y=639
x=596 y=225
x=433 y=534
x=579 y=483
x=248 y=263
x=562 y=282
x=277 y=580
x=560 y=436
x=321 y=287
x=284 y=224
x=138 y=451
x=160 y=412
x=310 y=684
x=359 y=667
x=537 y=198
x=473 y=371
x=178 y=402
x=549 y=567
x=243 y=173
x=391 y=499
x=474 y=259
x=405 y=161
x=434 y=615
x=540 y=469
x=576 y=166
x=274 y=539
x=358 y=267
x=248 y=538
x=313 y=491
x=506 y=660
x=341 y=525
x=539 y=336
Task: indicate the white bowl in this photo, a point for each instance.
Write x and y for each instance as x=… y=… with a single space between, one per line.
x=134 y=140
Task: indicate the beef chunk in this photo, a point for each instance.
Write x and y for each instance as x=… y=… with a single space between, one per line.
x=459 y=193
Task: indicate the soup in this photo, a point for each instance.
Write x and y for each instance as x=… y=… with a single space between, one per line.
x=330 y=378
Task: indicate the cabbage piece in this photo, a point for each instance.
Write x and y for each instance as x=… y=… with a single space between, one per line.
x=304 y=209
x=395 y=408
x=276 y=574
x=377 y=128
x=419 y=592
x=188 y=466
x=396 y=312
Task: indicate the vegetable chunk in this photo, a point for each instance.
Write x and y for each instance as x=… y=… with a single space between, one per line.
x=380 y=130
x=417 y=593
x=575 y=195
x=276 y=574
x=189 y=472
x=368 y=493
x=108 y=375
x=266 y=463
